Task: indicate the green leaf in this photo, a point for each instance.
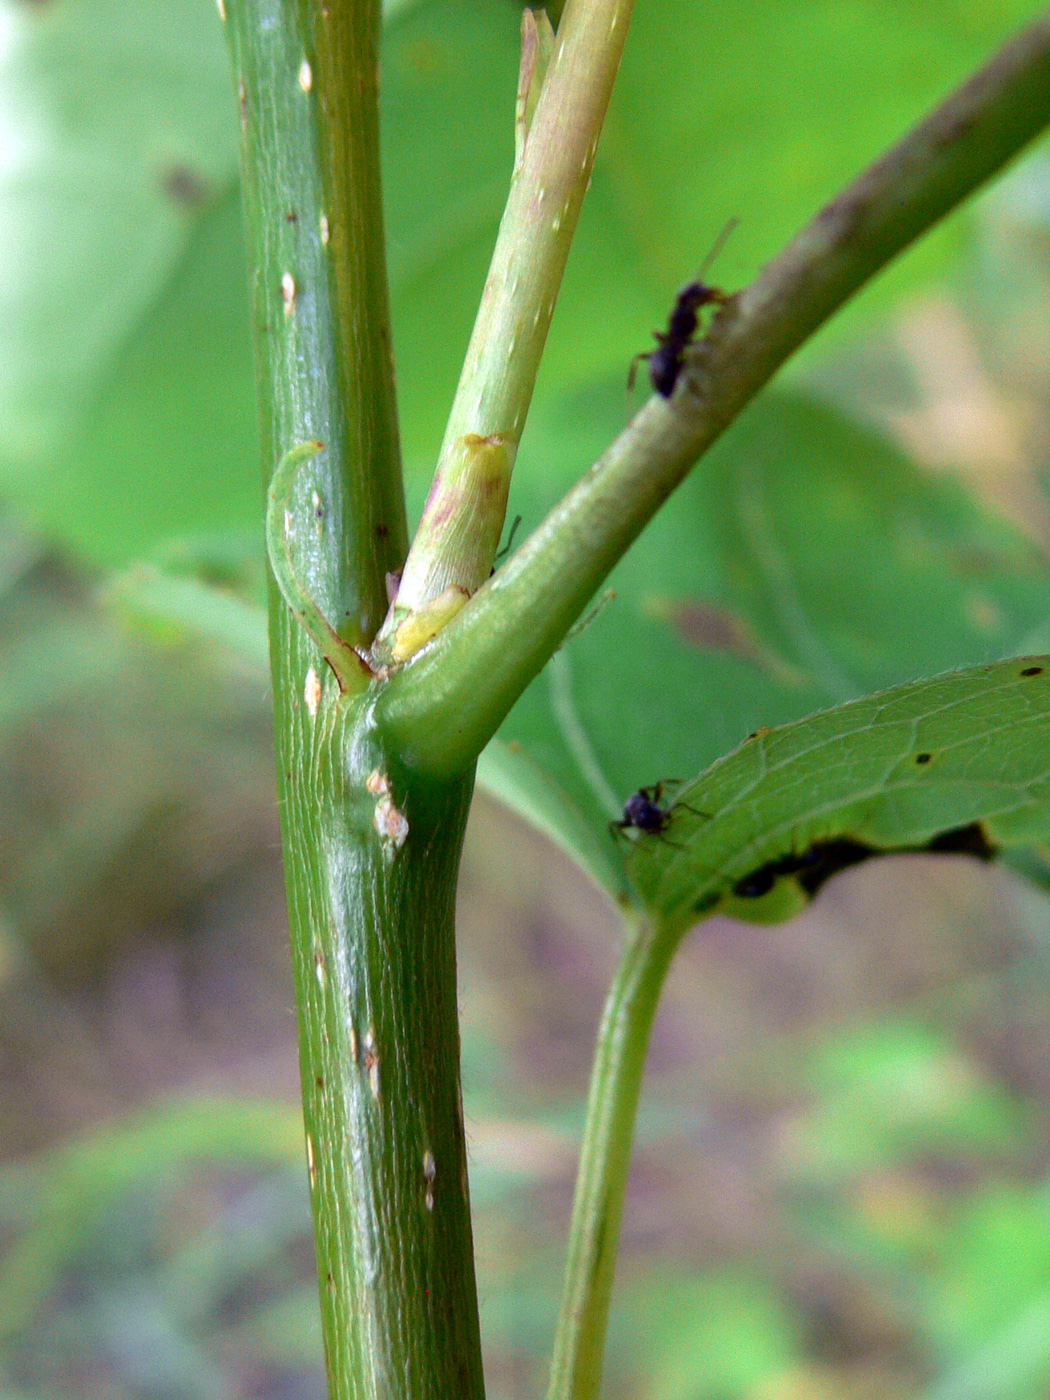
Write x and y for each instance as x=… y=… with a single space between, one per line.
x=170 y=607
x=510 y=775
x=168 y=444
x=954 y=764
x=804 y=562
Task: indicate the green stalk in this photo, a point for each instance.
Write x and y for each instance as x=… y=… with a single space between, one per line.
x=450 y=700
x=370 y=859
x=459 y=533
x=605 y=1157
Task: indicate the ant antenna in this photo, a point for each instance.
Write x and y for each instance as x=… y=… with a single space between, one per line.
x=718 y=245
x=510 y=540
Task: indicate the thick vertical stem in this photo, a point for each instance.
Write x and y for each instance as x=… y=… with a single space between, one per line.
x=385 y=1145
x=370 y=865
x=306 y=74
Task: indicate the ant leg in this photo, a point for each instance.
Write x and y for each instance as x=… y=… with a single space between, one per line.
x=500 y=553
x=632 y=373
x=668 y=842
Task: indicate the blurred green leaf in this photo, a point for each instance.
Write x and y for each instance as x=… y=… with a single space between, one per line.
x=716 y=113
x=717 y=1336
x=167 y=444
x=890 y=1092
x=126 y=405
x=170 y=607
x=117 y=126
x=70 y=1186
x=521 y=784
x=1013 y=1365
x=947 y=764
x=993 y=1267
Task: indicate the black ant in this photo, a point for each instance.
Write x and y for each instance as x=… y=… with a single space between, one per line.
x=643 y=811
x=666 y=361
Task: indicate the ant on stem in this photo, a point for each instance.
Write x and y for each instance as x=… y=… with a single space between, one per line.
x=666 y=361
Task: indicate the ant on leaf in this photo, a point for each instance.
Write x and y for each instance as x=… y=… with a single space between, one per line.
x=643 y=811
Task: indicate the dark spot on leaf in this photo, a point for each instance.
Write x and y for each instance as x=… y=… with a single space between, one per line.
x=754 y=886
x=291 y=216
x=319 y=1081
x=707 y=625
x=704 y=903
x=813 y=867
x=827 y=858
x=382 y=531
x=1032 y=671
x=184 y=186
x=923 y=757
x=816 y=865
x=970 y=840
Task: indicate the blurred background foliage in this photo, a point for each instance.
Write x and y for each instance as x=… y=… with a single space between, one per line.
x=842 y=1183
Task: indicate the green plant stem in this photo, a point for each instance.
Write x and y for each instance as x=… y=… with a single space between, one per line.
x=444 y=706
x=459 y=533
x=370 y=858
x=605 y=1155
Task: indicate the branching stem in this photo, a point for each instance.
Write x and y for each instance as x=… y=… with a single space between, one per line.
x=444 y=707
x=459 y=533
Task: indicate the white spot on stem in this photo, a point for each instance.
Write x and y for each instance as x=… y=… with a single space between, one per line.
x=310 y=1161
x=324 y=229
x=306 y=76
x=429 y=1173
x=388 y=819
x=371 y=1062
x=312 y=691
x=319 y=968
x=222 y=10
x=288 y=293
